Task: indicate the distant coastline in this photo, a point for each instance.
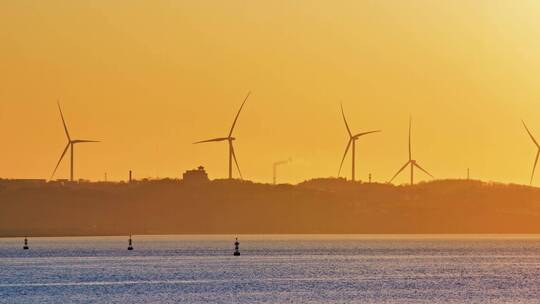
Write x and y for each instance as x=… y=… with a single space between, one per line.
x=318 y=206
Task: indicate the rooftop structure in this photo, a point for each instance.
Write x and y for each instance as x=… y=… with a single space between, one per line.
x=198 y=175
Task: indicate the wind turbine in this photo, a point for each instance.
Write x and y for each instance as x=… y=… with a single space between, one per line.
x=70 y=145
x=352 y=141
x=230 y=140
x=537 y=153
x=411 y=162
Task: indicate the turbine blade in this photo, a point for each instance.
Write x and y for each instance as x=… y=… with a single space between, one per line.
x=534 y=167
x=60 y=160
x=238 y=114
x=281 y=162
x=345 y=120
x=236 y=161
x=410 y=126
x=79 y=141
x=400 y=170
x=63 y=121
x=366 y=133
x=418 y=166
x=344 y=155
x=211 y=140
x=530 y=134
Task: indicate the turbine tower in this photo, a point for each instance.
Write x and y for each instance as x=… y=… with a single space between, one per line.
x=230 y=140
x=537 y=153
x=411 y=162
x=352 y=141
x=70 y=145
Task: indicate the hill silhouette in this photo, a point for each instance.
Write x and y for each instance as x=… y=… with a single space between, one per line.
x=323 y=206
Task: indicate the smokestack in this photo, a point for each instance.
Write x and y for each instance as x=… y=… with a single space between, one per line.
x=130 y=176
x=274 y=167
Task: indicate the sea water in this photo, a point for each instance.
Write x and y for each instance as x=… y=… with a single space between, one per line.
x=272 y=269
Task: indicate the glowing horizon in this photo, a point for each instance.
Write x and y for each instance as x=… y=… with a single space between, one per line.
x=151 y=78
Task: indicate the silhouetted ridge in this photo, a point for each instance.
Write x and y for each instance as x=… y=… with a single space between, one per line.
x=323 y=205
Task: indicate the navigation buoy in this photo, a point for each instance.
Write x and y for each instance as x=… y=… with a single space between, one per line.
x=130 y=243
x=236 y=248
x=25 y=247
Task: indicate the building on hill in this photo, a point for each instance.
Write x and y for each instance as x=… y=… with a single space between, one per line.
x=198 y=175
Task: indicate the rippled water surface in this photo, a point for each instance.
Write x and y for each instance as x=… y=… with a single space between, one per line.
x=272 y=269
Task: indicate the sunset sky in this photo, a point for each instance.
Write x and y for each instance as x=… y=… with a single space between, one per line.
x=149 y=78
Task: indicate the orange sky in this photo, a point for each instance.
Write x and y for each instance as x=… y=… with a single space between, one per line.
x=148 y=78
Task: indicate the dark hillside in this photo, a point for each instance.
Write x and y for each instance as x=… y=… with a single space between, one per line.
x=223 y=206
